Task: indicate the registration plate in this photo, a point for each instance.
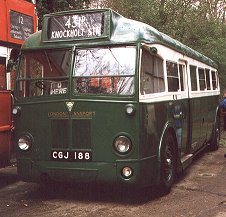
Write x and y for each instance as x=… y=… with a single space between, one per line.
x=71 y=155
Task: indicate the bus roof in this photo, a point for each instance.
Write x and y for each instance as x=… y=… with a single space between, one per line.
x=101 y=26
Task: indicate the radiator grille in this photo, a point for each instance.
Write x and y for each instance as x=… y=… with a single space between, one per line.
x=60 y=133
x=77 y=131
x=81 y=134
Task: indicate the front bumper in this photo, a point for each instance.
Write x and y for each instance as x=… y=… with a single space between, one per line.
x=144 y=171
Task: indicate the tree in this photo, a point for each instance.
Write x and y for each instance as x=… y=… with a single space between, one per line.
x=199 y=24
x=141 y=10
x=50 y=6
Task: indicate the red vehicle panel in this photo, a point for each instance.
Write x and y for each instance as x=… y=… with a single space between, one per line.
x=17 y=20
x=5 y=127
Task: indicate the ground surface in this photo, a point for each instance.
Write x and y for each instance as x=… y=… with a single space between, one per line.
x=199 y=192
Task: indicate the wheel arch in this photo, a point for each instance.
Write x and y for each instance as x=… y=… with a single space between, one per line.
x=167 y=129
x=166 y=170
x=216 y=131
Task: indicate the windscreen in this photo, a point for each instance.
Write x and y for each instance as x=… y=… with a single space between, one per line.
x=105 y=71
x=100 y=71
x=44 y=72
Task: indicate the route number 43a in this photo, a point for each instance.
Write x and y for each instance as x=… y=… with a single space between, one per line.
x=75 y=21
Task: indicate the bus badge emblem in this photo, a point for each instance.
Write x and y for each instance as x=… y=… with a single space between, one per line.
x=69 y=105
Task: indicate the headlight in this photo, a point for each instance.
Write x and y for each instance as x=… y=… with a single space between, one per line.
x=16 y=110
x=24 y=143
x=122 y=144
x=130 y=109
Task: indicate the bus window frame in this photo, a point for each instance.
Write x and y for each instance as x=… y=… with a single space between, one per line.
x=22 y=80
x=184 y=65
x=192 y=78
x=201 y=79
x=111 y=95
x=141 y=76
x=216 y=79
x=208 y=80
x=173 y=76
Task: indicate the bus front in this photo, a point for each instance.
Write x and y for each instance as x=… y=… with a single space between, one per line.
x=77 y=113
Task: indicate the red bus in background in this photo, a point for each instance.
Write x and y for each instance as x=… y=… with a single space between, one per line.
x=6 y=127
x=18 y=20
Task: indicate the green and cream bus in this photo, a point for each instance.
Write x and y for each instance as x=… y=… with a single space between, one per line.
x=104 y=99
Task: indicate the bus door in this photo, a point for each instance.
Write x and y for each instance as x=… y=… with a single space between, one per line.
x=177 y=83
x=5 y=127
x=181 y=114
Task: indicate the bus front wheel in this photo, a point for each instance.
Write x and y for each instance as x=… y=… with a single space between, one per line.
x=168 y=164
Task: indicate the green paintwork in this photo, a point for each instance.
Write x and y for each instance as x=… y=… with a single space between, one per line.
x=95 y=121
x=118 y=30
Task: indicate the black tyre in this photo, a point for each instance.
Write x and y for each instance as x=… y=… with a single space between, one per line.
x=214 y=144
x=168 y=164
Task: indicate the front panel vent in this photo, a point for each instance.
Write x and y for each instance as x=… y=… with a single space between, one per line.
x=81 y=134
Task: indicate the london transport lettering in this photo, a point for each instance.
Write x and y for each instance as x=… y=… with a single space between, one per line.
x=75 y=26
x=86 y=114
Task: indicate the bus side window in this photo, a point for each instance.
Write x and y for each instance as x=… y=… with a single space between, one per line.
x=208 y=78
x=152 y=78
x=172 y=76
x=202 y=79
x=214 y=80
x=182 y=76
x=193 y=76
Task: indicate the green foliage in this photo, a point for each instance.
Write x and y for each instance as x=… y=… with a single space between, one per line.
x=141 y=10
x=50 y=6
x=199 y=24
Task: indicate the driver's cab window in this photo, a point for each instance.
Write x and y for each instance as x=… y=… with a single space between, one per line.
x=152 y=74
x=43 y=73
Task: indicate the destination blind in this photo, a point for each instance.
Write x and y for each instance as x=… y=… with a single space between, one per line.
x=76 y=26
x=21 y=25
